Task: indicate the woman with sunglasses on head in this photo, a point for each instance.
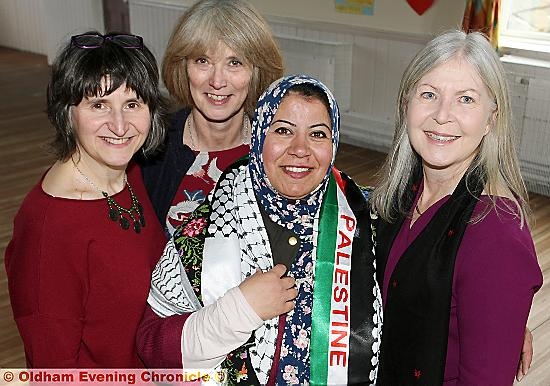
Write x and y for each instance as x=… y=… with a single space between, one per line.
x=85 y=239
x=220 y=58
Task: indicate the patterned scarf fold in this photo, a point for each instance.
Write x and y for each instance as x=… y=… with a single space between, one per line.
x=187 y=276
x=235 y=212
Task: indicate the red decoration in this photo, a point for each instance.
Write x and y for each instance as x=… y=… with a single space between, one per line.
x=420 y=6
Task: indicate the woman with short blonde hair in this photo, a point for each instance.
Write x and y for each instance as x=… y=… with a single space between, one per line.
x=219 y=59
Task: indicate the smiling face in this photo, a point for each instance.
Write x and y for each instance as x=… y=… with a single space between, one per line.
x=448 y=114
x=110 y=129
x=218 y=81
x=297 y=151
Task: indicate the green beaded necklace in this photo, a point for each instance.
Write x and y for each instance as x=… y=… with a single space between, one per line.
x=119 y=213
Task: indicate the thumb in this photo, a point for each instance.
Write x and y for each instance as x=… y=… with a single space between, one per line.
x=280 y=270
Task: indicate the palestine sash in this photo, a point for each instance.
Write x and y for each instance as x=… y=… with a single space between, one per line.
x=330 y=330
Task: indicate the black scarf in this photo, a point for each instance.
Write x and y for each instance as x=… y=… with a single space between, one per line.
x=417 y=311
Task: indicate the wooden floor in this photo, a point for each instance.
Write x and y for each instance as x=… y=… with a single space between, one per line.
x=24 y=130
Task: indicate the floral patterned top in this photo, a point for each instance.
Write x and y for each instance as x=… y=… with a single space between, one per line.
x=199 y=181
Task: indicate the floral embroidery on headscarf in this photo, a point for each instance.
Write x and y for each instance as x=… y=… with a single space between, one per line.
x=296 y=215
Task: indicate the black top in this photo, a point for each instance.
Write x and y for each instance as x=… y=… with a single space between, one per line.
x=163 y=172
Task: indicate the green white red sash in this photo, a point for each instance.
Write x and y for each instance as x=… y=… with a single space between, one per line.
x=330 y=330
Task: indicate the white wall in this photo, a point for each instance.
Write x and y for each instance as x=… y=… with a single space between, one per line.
x=389 y=15
x=41 y=26
x=22 y=26
x=63 y=18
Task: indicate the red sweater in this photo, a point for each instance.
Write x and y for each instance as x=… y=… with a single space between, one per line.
x=78 y=282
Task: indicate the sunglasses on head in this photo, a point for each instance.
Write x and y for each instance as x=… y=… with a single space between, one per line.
x=97 y=40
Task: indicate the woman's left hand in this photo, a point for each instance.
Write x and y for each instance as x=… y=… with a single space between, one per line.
x=270 y=293
x=526 y=355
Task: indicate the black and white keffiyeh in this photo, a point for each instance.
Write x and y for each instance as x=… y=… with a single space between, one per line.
x=236 y=244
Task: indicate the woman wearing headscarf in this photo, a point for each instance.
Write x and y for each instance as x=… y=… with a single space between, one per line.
x=219 y=294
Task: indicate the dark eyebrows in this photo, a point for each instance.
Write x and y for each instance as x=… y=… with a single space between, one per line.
x=94 y=99
x=294 y=125
x=284 y=121
x=319 y=125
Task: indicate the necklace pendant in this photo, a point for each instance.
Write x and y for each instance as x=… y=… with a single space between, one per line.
x=118 y=213
x=124 y=223
x=113 y=215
